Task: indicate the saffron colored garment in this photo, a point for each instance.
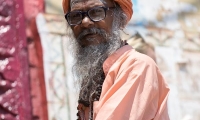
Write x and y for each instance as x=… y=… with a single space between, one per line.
x=134 y=88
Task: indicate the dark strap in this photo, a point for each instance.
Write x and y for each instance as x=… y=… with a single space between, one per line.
x=85 y=103
x=81 y=112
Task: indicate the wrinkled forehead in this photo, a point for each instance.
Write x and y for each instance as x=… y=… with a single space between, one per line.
x=76 y=2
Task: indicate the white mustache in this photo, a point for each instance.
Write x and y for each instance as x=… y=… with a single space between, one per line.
x=92 y=31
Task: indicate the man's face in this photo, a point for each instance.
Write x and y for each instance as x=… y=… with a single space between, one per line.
x=91 y=38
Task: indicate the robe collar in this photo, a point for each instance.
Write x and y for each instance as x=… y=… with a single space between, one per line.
x=113 y=57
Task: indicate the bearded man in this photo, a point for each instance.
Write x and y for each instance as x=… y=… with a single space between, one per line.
x=116 y=82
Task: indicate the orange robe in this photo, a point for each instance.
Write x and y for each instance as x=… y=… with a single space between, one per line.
x=134 y=88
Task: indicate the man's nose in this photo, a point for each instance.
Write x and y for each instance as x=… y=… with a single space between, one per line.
x=86 y=22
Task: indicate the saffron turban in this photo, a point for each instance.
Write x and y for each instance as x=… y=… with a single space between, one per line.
x=126 y=6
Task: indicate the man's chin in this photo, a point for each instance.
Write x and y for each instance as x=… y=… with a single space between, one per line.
x=91 y=40
x=93 y=43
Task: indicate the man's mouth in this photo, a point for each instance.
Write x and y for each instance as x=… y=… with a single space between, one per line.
x=90 y=35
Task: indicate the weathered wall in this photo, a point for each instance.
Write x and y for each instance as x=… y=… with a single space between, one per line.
x=38 y=89
x=14 y=83
x=60 y=97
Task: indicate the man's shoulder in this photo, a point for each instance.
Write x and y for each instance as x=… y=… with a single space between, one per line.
x=135 y=57
x=130 y=60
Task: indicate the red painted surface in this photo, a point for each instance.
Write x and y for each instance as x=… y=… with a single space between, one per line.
x=38 y=90
x=15 y=101
x=32 y=8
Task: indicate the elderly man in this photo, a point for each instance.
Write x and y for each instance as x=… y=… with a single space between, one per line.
x=116 y=82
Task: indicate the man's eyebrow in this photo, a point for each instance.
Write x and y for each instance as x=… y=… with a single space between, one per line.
x=72 y=3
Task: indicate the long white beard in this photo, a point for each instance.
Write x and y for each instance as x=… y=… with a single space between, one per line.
x=88 y=70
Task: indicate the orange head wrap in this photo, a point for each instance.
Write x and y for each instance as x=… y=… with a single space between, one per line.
x=126 y=6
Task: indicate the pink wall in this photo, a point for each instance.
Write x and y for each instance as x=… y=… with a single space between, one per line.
x=38 y=90
x=15 y=101
x=22 y=86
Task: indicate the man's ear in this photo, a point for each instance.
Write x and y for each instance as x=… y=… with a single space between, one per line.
x=122 y=26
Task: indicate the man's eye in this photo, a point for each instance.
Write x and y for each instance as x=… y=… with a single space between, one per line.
x=75 y=15
x=97 y=11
